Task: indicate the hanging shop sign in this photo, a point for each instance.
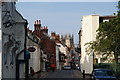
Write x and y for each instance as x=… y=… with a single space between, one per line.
x=31 y=49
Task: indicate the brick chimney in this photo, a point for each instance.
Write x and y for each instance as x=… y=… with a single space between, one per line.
x=57 y=37
x=29 y=29
x=37 y=25
x=53 y=34
x=37 y=28
x=44 y=29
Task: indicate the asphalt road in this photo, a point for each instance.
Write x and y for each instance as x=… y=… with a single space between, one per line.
x=64 y=74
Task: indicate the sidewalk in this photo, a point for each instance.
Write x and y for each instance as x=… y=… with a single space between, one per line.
x=79 y=74
x=40 y=75
x=44 y=74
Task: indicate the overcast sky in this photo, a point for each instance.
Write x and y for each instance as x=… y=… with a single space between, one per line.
x=63 y=17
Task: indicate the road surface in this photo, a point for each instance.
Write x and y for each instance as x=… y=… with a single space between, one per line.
x=65 y=74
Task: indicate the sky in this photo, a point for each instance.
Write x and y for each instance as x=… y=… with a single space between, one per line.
x=63 y=17
x=66 y=0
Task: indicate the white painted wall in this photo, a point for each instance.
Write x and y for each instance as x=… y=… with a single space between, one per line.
x=90 y=24
x=0 y=40
x=57 y=56
x=22 y=70
x=67 y=41
x=34 y=60
x=63 y=49
x=44 y=60
x=14 y=44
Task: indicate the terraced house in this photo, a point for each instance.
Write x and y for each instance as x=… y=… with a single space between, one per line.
x=13 y=41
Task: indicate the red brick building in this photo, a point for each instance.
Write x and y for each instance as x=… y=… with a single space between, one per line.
x=48 y=45
x=55 y=37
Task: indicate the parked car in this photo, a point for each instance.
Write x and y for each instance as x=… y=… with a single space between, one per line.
x=67 y=67
x=103 y=74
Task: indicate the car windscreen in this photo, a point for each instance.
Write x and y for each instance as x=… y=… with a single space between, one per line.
x=104 y=73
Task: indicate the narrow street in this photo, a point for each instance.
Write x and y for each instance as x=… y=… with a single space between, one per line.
x=59 y=40
x=65 y=74
x=61 y=74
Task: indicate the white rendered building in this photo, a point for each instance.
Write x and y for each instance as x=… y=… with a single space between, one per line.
x=13 y=41
x=90 y=24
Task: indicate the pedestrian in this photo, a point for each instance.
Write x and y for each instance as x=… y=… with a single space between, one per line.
x=48 y=69
x=32 y=72
x=53 y=67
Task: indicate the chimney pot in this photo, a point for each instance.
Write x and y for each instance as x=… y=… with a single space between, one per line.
x=37 y=21
x=41 y=27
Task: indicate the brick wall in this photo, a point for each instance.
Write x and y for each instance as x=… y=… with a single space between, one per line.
x=47 y=45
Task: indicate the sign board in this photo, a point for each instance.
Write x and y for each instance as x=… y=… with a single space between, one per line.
x=31 y=49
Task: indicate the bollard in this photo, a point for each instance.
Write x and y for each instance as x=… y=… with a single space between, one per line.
x=83 y=73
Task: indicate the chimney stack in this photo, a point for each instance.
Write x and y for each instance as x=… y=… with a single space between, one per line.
x=37 y=24
x=44 y=29
x=53 y=34
x=37 y=28
x=57 y=37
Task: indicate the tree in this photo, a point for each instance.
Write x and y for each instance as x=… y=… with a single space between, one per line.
x=118 y=8
x=108 y=37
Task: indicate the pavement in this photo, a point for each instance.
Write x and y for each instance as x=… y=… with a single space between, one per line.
x=79 y=74
x=40 y=74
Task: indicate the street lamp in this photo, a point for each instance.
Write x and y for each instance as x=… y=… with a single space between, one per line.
x=7 y=19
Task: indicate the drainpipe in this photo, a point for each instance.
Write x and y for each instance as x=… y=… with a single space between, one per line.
x=25 y=46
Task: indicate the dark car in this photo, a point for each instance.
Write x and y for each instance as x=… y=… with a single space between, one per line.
x=103 y=74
